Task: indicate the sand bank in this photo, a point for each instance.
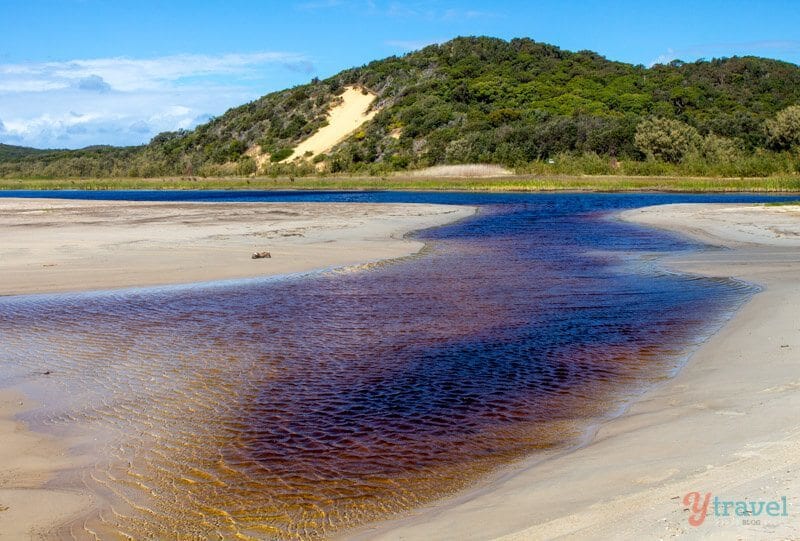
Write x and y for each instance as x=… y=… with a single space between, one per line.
x=64 y=245
x=728 y=424
x=51 y=245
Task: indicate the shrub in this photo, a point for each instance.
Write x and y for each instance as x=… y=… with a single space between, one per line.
x=247 y=166
x=783 y=133
x=281 y=154
x=666 y=139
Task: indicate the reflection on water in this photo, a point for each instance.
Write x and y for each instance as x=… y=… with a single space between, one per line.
x=295 y=407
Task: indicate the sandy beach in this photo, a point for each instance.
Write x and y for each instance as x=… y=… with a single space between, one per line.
x=726 y=425
x=50 y=245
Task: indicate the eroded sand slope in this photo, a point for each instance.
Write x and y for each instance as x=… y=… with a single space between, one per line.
x=343 y=119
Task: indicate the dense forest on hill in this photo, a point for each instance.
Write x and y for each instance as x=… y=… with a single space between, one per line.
x=523 y=104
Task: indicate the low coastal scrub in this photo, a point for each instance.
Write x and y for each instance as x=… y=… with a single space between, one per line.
x=742 y=165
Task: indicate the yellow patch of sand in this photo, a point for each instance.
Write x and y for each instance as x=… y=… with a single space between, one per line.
x=343 y=119
x=260 y=158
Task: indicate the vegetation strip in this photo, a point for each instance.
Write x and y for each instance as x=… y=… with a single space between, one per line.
x=500 y=184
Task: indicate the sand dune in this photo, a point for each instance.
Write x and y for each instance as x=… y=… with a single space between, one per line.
x=343 y=119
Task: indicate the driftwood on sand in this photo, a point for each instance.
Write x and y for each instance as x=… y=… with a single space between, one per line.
x=261 y=255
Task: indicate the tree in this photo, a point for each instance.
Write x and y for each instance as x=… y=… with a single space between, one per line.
x=666 y=139
x=784 y=131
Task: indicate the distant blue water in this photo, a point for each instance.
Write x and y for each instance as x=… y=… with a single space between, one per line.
x=337 y=397
x=599 y=201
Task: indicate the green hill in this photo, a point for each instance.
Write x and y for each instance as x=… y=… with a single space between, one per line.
x=481 y=100
x=11 y=152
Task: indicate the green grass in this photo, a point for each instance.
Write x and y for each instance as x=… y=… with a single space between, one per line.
x=782 y=203
x=526 y=183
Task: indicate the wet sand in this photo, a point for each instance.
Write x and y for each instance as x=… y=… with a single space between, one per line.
x=28 y=511
x=726 y=425
x=64 y=245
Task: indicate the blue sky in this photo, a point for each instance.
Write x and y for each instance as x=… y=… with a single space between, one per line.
x=82 y=72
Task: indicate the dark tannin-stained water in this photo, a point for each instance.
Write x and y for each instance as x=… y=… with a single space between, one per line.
x=293 y=407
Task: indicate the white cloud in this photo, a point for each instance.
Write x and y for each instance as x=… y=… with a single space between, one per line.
x=94 y=83
x=140 y=126
x=665 y=58
x=127 y=101
x=75 y=118
x=128 y=74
